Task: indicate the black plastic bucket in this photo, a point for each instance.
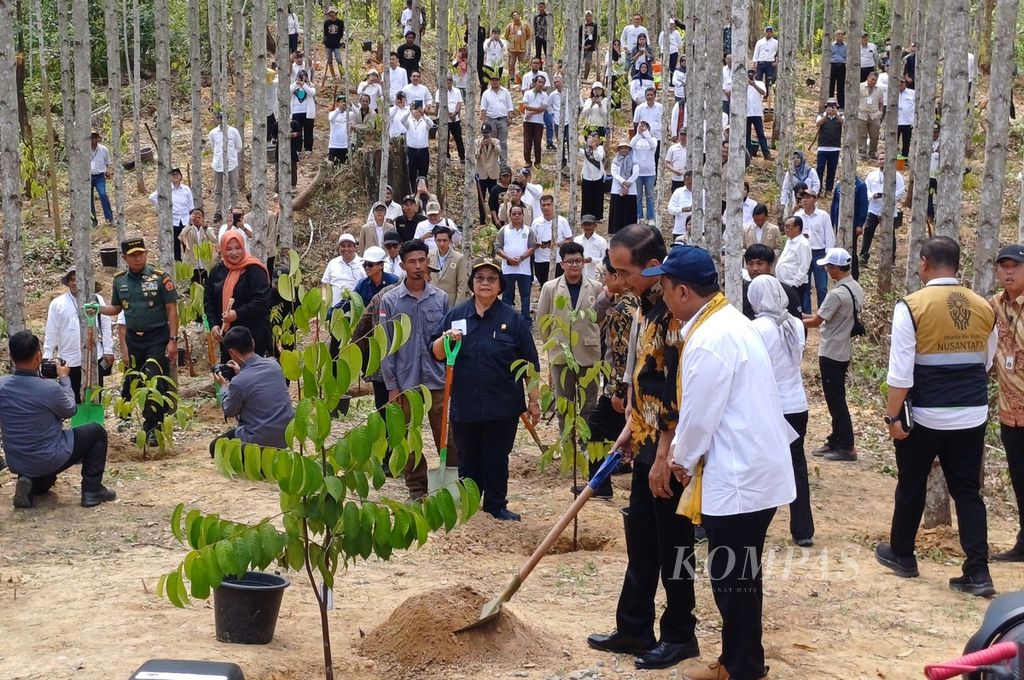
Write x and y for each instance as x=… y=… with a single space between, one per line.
x=245 y=609
x=108 y=257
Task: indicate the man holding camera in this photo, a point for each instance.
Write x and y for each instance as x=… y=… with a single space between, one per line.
x=150 y=303
x=254 y=391
x=32 y=409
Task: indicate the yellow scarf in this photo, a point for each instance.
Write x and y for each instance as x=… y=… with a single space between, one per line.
x=689 y=502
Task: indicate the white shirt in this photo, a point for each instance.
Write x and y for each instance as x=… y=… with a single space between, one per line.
x=726 y=82
x=534 y=98
x=785 y=363
x=515 y=242
x=397 y=79
x=99 y=160
x=674 y=122
x=307 y=105
x=496 y=104
x=652 y=115
x=395 y=125
x=629 y=35
x=542 y=230
x=868 y=55
x=766 y=49
x=591 y=172
x=215 y=140
x=638 y=90
x=417 y=132
x=594 y=249
x=62 y=337
x=675 y=41
x=406 y=19
x=531 y=197
x=818 y=229
x=293 y=25
x=393 y=211
x=342 y=276
x=425 y=231
x=972 y=67
x=679 y=84
x=644 y=146
x=246 y=231
x=530 y=76
x=906 y=102
x=555 y=107
x=394 y=266
x=680 y=205
x=620 y=175
x=374 y=91
x=454 y=99
x=182 y=203
x=271 y=94
x=812 y=181
x=755 y=102
x=902 y=350
x=415 y=93
x=739 y=428
x=339 y=120
x=494 y=52
x=676 y=157
x=795 y=261
x=875 y=182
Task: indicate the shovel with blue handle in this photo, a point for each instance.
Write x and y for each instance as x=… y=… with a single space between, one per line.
x=493 y=608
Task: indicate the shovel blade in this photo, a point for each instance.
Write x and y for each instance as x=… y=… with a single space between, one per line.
x=89 y=411
x=488 y=613
x=444 y=478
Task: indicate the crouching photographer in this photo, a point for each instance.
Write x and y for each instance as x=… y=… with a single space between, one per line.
x=32 y=411
x=253 y=391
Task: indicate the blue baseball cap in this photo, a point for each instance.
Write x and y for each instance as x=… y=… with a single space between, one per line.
x=687 y=263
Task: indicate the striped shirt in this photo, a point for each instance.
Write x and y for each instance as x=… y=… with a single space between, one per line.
x=1010 y=357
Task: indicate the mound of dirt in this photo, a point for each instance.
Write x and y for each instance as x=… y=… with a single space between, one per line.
x=420 y=633
x=484 y=534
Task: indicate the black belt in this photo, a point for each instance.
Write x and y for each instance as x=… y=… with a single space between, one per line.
x=497 y=117
x=150 y=331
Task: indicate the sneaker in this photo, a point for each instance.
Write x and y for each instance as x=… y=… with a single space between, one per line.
x=699 y=534
x=979 y=586
x=1014 y=554
x=506 y=515
x=822 y=450
x=151 y=439
x=23 y=492
x=94 y=498
x=905 y=567
x=600 y=493
x=841 y=455
x=804 y=542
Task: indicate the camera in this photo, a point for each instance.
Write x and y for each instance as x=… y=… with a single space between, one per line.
x=236 y=218
x=751 y=74
x=224 y=370
x=48 y=369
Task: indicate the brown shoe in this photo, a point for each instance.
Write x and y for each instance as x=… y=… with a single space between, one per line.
x=712 y=671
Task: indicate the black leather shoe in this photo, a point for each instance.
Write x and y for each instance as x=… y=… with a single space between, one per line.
x=23 y=492
x=973 y=585
x=667 y=654
x=506 y=515
x=1014 y=554
x=617 y=643
x=901 y=566
x=151 y=440
x=93 y=498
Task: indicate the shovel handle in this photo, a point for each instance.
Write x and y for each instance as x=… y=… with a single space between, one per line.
x=605 y=471
x=451 y=349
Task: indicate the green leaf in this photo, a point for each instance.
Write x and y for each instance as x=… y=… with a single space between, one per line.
x=378 y=478
x=399 y=458
x=291 y=364
x=446 y=506
x=352 y=356
x=194 y=527
x=374 y=426
x=198 y=580
x=175 y=589
x=377 y=345
x=350 y=519
x=311 y=302
x=395 y=422
x=176 y=522
x=253 y=458
x=293 y=261
x=283 y=470
x=422 y=528
x=400 y=531
x=225 y=552
x=342 y=454
x=271 y=542
x=297 y=480
x=161 y=586
x=360 y=446
x=335 y=488
x=313 y=476
x=432 y=512
x=295 y=554
x=382 y=528
x=267 y=458
x=284 y=287
x=362 y=484
x=301 y=421
x=344 y=377
x=471 y=491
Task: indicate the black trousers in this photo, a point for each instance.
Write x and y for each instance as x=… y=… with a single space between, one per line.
x=1013 y=443
x=828 y=161
x=605 y=425
x=833 y=384
x=592 y=197
x=293 y=42
x=659 y=544
x=540 y=46
x=76 y=380
x=272 y=129
x=837 y=83
x=735 y=544
x=960 y=454
x=337 y=156
x=870 y=225
x=419 y=164
x=455 y=133
x=146 y=353
x=178 y=228
x=305 y=130
x=89 y=449
x=864 y=71
x=541 y=271
x=485 y=184
x=757 y=122
x=483 y=457
x=621 y=211
x=801 y=521
x=903 y=135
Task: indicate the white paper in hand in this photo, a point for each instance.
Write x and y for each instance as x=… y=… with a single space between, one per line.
x=459 y=325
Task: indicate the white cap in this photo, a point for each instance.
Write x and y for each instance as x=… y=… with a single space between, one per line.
x=835 y=256
x=346 y=237
x=374 y=254
x=433 y=208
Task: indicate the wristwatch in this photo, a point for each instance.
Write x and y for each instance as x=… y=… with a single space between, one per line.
x=176 y=338
x=889 y=420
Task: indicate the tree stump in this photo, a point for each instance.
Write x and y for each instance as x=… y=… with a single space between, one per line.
x=936 y=503
x=365 y=163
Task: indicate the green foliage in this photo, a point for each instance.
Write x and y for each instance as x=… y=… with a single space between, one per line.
x=31 y=168
x=145 y=393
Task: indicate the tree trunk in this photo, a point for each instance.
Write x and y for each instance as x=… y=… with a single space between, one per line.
x=110 y=24
x=826 y=55
x=284 y=167
x=161 y=29
x=737 y=161
x=258 y=197
x=441 y=165
x=662 y=186
x=568 y=135
x=10 y=175
x=954 y=119
x=713 y=142
x=51 y=151
x=136 y=61
x=238 y=33
x=385 y=147
x=936 y=502
x=417 y=23
x=698 y=100
x=79 y=154
x=925 y=82
x=886 y=219
x=785 y=93
x=196 y=72
x=986 y=53
x=990 y=210
x=851 y=131
x=469 y=116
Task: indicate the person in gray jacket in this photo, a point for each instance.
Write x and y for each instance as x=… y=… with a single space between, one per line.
x=256 y=394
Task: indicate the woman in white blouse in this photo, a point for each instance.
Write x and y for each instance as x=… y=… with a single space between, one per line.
x=592 y=189
x=622 y=205
x=594 y=111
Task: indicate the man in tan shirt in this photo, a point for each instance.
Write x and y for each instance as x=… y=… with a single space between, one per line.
x=761 y=230
x=869 y=116
x=518 y=35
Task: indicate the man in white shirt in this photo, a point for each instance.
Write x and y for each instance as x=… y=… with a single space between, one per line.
x=373 y=88
x=99 y=170
x=907 y=103
x=222 y=167
x=675 y=159
x=417 y=92
x=62 y=338
x=343 y=272
x=495 y=53
x=875 y=182
x=726 y=83
x=944 y=338
x=406 y=17
x=340 y=118
x=417 y=143
x=435 y=218
x=393 y=263
x=182 y=203
x=651 y=112
x=792 y=265
x=868 y=57
x=755 y=116
x=532 y=74
x=549 y=230
x=627 y=39
x=680 y=205
x=535 y=104
x=393 y=208
x=236 y=221
x=396 y=114
x=514 y=245
x=454 y=98
x=495 y=107
x=675 y=43
x=732 y=436
x=372 y=233
x=594 y=246
x=766 y=56
x=819 y=232
x=397 y=77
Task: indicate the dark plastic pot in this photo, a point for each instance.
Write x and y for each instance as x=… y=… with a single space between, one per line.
x=147 y=154
x=367 y=46
x=271 y=153
x=108 y=256
x=246 y=609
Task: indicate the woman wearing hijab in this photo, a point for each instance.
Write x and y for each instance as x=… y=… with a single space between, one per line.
x=783 y=336
x=800 y=172
x=238 y=293
x=592 y=183
x=639 y=84
x=622 y=203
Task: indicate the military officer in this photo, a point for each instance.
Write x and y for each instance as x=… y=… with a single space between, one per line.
x=149 y=300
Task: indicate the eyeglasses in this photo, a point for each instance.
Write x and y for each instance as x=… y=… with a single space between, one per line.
x=486 y=279
x=572 y=263
x=371 y=265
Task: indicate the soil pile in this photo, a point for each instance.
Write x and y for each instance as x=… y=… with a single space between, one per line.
x=420 y=633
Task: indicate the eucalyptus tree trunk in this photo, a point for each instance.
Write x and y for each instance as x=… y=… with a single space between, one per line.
x=954 y=119
x=737 y=161
x=469 y=127
x=79 y=154
x=668 y=98
x=785 y=87
x=417 y=20
x=698 y=100
x=10 y=175
x=218 y=65
x=307 y=38
x=441 y=166
x=851 y=128
x=51 y=150
x=258 y=199
x=195 y=59
x=826 y=51
x=925 y=84
x=216 y=32
x=713 y=142
x=136 y=62
x=285 y=230
x=385 y=137
x=568 y=135
x=110 y=27
x=162 y=31
x=612 y=27
x=997 y=114
x=886 y=219
x=239 y=29
x=67 y=105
